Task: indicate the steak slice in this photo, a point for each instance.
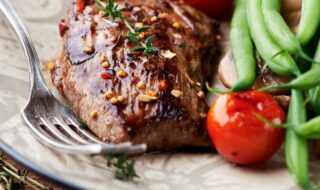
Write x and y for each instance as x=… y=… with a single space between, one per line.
x=154 y=99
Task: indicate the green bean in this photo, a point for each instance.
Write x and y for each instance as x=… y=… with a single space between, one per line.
x=314 y=94
x=242 y=48
x=309 y=21
x=307 y=80
x=296 y=147
x=310 y=129
x=279 y=30
x=278 y=60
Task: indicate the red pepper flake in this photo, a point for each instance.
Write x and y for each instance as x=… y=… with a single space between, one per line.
x=62 y=27
x=81 y=5
x=163 y=85
x=106 y=76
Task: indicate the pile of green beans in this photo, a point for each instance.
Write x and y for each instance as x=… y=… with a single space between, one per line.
x=259 y=23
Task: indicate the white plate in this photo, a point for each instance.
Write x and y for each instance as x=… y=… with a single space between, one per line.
x=164 y=171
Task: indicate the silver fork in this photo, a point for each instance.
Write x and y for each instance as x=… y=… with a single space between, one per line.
x=54 y=124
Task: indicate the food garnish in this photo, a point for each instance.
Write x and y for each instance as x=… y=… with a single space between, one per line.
x=134 y=35
x=177 y=93
x=146 y=47
x=94 y=114
x=123 y=167
x=12 y=178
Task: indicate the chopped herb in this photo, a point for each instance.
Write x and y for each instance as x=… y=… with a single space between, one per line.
x=11 y=178
x=133 y=36
x=146 y=47
x=124 y=169
x=110 y=9
x=114 y=11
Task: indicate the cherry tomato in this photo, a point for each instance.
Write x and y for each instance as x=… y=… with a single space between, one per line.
x=238 y=134
x=211 y=7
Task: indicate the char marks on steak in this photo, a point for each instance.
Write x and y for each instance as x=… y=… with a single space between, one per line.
x=176 y=117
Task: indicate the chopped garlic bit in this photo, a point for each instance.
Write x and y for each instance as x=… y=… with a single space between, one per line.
x=141 y=35
x=177 y=93
x=102 y=57
x=154 y=19
x=122 y=73
x=88 y=49
x=121 y=99
x=107 y=95
x=106 y=64
x=177 y=36
x=176 y=25
x=201 y=94
x=138 y=24
x=136 y=9
x=114 y=100
x=93 y=114
x=147 y=98
x=141 y=85
x=50 y=67
x=167 y=54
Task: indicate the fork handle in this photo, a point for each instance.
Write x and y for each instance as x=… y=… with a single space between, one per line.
x=36 y=79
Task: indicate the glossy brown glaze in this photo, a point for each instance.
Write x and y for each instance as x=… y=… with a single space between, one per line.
x=170 y=119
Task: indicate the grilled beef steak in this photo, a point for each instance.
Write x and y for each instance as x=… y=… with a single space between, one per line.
x=124 y=95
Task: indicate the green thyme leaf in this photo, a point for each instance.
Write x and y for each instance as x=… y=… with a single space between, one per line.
x=111 y=10
x=147 y=48
x=133 y=37
x=138 y=48
x=142 y=29
x=149 y=41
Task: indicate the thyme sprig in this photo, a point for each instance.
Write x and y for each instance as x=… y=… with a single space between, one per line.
x=11 y=178
x=110 y=9
x=124 y=169
x=146 y=47
x=115 y=11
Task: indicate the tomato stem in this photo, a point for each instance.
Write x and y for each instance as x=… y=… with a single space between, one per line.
x=266 y=121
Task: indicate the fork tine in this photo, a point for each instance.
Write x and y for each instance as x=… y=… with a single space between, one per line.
x=84 y=132
x=68 y=130
x=137 y=149
x=85 y=149
x=56 y=132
